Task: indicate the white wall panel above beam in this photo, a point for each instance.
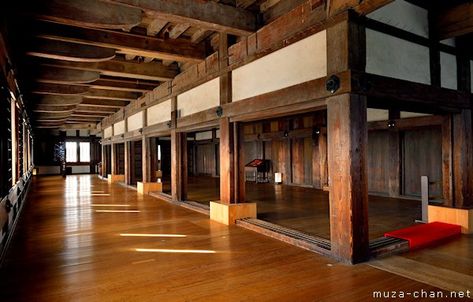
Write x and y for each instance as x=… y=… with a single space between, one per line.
x=297 y=63
x=159 y=113
x=199 y=98
x=119 y=128
x=135 y=121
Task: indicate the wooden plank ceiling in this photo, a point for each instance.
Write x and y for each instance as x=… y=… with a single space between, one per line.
x=84 y=60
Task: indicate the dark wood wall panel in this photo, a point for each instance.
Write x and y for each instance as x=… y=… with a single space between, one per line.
x=206 y=159
x=422 y=155
x=137 y=160
x=378 y=161
x=120 y=158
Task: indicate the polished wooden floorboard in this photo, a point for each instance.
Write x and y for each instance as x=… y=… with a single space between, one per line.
x=68 y=247
x=307 y=209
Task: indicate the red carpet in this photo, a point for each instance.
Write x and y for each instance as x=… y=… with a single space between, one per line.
x=422 y=235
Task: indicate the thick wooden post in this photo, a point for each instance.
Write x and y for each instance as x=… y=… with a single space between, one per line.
x=347 y=143
x=239 y=163
x=227 y=184
x=463 y=159
x=145 y=162
x=127 y=163
x=113 y=155
x=178 y=165
x=447 y=176
x=104 y=162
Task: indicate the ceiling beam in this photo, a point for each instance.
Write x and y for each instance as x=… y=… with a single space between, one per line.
x=205 y=14
x=74 y=52
x=58 y=100
x=91 y=13
x=112 y=95
x=153 y=71
x=175 y=50
x=104 y=103
x=121 y=85
x=455 y=21
x=54 y=75
x=58 y=89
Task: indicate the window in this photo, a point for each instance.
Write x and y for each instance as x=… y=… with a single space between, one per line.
x=71 y=152
x=84 y=149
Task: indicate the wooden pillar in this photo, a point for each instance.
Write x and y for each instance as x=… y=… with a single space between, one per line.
x=152 y=158
x=347 y=144
x=145 y=159
x=447 y=176
x=463 y=159
x=127 y=162
x=104 y=162
x=239 y=163
x=227 y=184
x=113 y=155
x=323 y=165
x=394 y=141
x=178 y=165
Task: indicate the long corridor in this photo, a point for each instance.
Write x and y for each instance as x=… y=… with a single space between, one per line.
x=81 y=239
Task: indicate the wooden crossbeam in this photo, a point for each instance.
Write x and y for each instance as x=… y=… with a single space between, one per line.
x=91 y=13
x=104 y=103
x=54 y=75
x=150 y=71
x=112 y=95
x=205 y=14
x=133 y=44
x=60 y=50
x=58 y=100
x=58 y=89
x=121 y=85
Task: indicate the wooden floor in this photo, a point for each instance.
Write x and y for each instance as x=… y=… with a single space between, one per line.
x=307 y=209
x=68 y=247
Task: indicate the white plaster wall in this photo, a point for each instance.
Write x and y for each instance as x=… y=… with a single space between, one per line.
x=449 y=42
x=374 y=115
x=119 y=128
x=84 y=132
x=403 y=15
x=200 y=136
x=135 y=121
x=80 y=169
x=199 y=98
x=297 y=63
x=107 y=132
x=407 y=114
x=71 y=132
x=448 y=71
x=217 y=133
x=393 y=57
x=159 y=113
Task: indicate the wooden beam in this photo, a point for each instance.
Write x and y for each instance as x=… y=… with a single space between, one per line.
x=58 y=89
x=58 y=100
x=87 y=108
x=112 y=95
x=455 y=21
x=174 y=50
x=122 y=85
x=204 y=14
x=89 y=13
x=116 y=68
x=55 y=75
x=347 y=146
x=59 y=50
x=381 y=90
x=362 y=7
x=46 y=108
x=104 y=103
x=178 y=30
